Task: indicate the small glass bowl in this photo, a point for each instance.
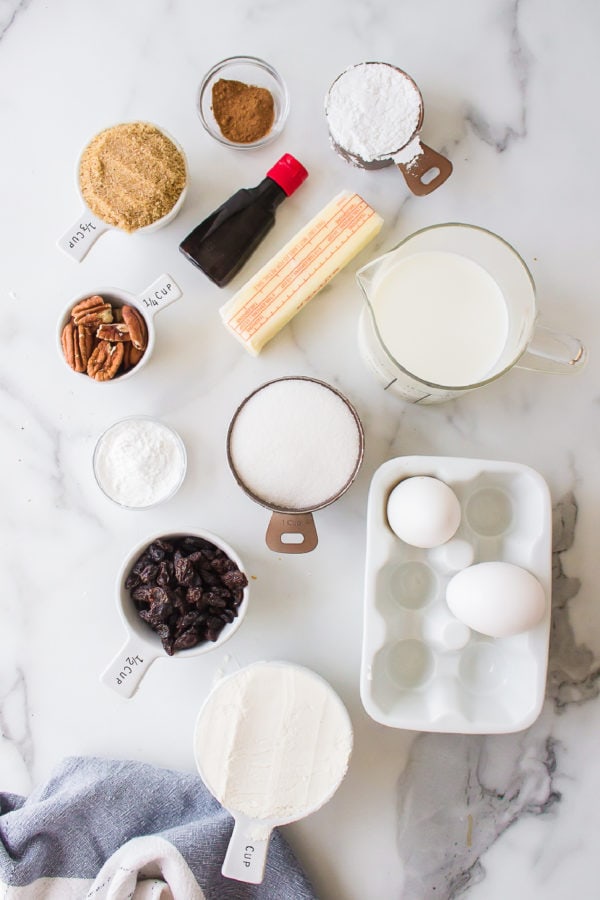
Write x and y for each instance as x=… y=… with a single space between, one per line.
x=177 y=482
x=252 y=71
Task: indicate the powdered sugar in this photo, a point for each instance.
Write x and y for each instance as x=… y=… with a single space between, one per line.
x=373 y=111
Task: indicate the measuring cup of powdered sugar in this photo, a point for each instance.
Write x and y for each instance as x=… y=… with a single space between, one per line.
x=374 y=112
x=272 y=743
x=131 y=177
x=294 y=445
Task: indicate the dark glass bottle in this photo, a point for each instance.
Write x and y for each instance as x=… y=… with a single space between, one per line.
x=222 y=243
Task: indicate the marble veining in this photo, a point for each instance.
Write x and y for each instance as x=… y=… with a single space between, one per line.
x=464 y=791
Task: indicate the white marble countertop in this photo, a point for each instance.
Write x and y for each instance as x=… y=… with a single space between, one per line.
x=509 y=96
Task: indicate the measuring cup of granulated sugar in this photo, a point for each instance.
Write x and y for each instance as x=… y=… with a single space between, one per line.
x=94 y=340
x=294 y=445
x=375 y=112
x=90 y=225
x=272 y=743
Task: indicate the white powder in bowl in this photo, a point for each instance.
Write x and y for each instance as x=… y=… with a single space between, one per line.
x=139 y=462
x=373 y=110
x=295 y=444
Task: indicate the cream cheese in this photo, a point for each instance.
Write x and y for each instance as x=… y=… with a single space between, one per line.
x=273 y=742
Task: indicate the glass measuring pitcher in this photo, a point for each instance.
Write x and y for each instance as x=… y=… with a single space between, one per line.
x=451 y=308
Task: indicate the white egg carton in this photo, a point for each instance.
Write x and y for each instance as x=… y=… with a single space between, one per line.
x=421 y=669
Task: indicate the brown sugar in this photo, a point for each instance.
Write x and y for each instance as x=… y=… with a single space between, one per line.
x=244 y=112
x=131 y=175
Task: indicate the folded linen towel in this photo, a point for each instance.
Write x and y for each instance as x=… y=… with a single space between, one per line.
x=121 y=830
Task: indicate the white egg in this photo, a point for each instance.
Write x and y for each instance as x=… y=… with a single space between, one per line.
x=423 y=511
x=496 y=598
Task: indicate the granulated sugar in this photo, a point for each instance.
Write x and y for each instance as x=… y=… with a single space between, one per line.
x=373 y=110
x=295 y=444
x=139 y=462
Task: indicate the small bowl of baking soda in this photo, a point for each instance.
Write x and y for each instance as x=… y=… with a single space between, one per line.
x=139 y=462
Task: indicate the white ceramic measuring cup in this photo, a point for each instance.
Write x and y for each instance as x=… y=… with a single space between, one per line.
x=143 y=646
x=270 y=712
x=290 y=530
x=424 y=169
x=160 y=294
x=79 y=238
x=528 y=344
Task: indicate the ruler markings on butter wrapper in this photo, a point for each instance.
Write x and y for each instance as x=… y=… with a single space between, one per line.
x=301 y=268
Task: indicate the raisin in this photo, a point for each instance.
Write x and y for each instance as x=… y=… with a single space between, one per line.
x=184 y=571
x=142 y=594
x=132 y=581
x=165 y=574
x=140 y=563
x=234 y=578
x=148 y=574
x=195 y=597
x=186 y=640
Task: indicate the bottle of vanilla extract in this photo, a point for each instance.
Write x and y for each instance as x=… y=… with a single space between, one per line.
x=223 y=242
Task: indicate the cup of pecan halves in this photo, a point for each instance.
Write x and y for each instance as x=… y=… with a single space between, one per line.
x=108 y=334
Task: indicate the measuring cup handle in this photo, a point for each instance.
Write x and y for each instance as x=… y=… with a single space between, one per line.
x=158 y=295
x=128 y=667
x=297 y=524
x=246 y=855
x=552 y=352
x=83 y=233
x=427 y=162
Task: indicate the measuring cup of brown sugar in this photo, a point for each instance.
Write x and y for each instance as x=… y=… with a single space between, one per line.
x=374 y=113
x=108 y=334
x=294 y=445
x=131 y=177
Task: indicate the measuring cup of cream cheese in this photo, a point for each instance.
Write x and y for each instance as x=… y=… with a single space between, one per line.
x=89 y=226
x=294 y=445
x=374 y=113
x=450 y=309
x=143 y=645
x=160 y=294
x=272 y=743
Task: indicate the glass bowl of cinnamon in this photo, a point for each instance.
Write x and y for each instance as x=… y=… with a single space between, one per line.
x=243 y=102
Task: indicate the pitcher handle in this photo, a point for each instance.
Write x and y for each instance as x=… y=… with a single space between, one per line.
x=553 y=352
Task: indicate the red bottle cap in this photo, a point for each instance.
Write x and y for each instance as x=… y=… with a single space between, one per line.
x=288 y=173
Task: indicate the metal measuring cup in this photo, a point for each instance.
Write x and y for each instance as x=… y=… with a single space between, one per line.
x=294 y=523
x=424 y=170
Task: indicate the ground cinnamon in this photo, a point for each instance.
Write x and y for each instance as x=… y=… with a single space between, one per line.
x=244 y=112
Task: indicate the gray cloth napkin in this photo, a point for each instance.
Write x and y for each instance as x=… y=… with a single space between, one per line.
x=121 y=829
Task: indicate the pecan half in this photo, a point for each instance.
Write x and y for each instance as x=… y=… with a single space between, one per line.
x=114 y=332
x=131 y=356
x=86 y=341
x=94 y=317
x=85 y=306
x=70 y=346
x=137 y=327
x=104 y=362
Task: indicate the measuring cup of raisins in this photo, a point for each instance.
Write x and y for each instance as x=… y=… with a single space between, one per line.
x=179 y=595
x=107 y=335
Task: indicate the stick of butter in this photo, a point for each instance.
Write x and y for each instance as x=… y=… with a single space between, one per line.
x=293 y=276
